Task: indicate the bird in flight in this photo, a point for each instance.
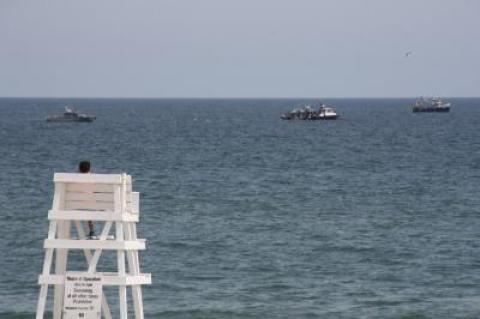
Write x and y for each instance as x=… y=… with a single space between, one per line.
x=408 y=53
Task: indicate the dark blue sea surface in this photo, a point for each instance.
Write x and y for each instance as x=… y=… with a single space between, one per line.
x=375 y=215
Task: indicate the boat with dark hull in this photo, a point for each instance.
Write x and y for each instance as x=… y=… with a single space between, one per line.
x=430 y=105
x=70 y=115
x=308 y=113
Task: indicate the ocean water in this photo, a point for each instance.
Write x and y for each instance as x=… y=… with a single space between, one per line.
x=375 y=215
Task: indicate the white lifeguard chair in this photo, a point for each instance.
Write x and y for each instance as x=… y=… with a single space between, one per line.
x=99 y=198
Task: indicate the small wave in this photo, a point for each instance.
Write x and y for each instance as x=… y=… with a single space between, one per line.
x=199 y=313
x=414 y=316
x=17 y=315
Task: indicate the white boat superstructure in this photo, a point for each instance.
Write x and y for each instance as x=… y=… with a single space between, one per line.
x=327 y=113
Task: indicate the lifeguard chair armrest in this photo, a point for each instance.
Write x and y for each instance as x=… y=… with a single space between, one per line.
x=90 y=178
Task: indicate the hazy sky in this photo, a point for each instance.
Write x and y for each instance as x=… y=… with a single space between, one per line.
x=242 y=48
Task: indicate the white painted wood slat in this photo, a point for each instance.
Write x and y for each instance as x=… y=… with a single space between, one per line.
x=89 y=188
x=89 y=197
x=91 y=215
x=89 y=205
x=120 y=245
x=114 y=179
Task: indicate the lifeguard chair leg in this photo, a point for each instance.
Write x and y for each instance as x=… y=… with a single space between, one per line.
x=134 y=268
x=60 y=268
x=120 y=206
x=122 y=289
x=47 y=265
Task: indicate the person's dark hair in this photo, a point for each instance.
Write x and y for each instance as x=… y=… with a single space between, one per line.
x=84 y=167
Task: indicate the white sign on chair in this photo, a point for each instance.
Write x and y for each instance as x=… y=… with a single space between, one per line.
x=83 y=296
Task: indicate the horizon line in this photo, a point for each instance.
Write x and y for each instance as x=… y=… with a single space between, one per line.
x=228 y=98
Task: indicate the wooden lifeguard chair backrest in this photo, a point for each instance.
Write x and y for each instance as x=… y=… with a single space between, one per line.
x=93 y=192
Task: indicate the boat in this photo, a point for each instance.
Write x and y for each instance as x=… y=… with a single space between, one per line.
x=430 y=105
x=71 y=115
x=308 y=113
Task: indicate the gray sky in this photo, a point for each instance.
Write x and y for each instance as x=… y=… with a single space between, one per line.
x=243 y=48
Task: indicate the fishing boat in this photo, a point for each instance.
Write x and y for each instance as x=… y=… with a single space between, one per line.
x=308 y=113
x=71 y=115
x=430 y=105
